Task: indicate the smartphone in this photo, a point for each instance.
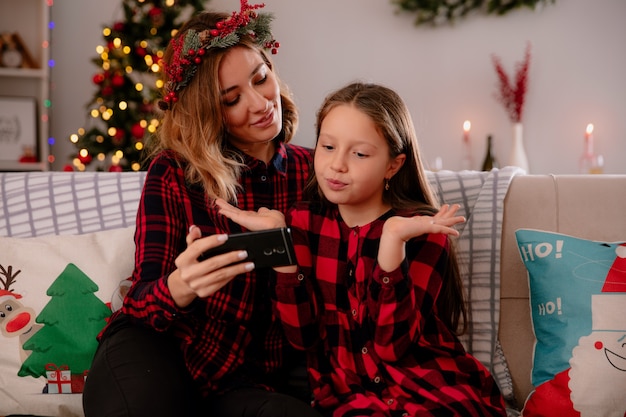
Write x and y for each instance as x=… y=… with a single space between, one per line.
x=266 y=248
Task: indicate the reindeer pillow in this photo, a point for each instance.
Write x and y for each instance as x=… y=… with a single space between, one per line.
x=55 y=294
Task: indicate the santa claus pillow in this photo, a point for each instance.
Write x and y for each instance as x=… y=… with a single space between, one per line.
x=578 y=307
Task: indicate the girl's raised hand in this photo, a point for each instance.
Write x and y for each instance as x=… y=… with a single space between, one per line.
x=261 y=219
x=405 y=228
x=397 y=230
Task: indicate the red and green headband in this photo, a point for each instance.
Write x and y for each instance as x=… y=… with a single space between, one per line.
x=188 y=50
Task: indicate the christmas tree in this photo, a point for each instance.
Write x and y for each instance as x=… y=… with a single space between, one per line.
x=121 y=110
x=71 y=321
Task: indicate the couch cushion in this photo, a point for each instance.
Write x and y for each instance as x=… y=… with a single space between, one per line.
x=46 y=203
x=578 y=307
x=54 y=298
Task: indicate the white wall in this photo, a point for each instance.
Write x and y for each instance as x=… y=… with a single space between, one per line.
x=77 y=32
x=445 y=74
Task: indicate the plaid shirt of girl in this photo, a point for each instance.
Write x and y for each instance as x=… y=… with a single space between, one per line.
x=374 y=343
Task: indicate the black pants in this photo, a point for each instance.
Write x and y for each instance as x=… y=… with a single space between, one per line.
x=138 y=372
x=254 y=402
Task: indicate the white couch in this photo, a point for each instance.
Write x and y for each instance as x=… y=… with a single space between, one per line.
x=36 y=205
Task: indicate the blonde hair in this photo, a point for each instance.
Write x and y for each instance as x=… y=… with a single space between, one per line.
x=194 y=127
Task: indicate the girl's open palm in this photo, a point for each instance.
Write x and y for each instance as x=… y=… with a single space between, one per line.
x=405 y=228
x=397 y=230
x=261 y=219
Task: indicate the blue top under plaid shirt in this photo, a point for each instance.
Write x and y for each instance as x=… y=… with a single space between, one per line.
x=375 y=345
x=231 y=338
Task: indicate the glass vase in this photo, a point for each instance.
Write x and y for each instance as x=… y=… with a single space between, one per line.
x=518 y=157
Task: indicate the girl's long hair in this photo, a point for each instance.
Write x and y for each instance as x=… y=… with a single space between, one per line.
x=194 y=128
x=409 y=189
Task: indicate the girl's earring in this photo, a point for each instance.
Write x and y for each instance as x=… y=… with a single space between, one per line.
x=386 y=184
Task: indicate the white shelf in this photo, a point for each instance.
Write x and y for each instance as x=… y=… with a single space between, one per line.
x=22 y=166
x=23 y=73
x=30 y=19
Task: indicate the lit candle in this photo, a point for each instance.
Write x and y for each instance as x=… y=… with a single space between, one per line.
x=467 y=125
x=590 y=163
x=467 y=162
x=589 y=131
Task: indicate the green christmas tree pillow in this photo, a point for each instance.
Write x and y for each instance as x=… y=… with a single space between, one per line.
x=55 y=294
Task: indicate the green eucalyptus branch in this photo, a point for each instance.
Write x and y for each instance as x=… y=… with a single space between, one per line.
x=436 y=12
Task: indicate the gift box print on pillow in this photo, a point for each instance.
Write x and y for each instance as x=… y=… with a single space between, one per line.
x=578 y=308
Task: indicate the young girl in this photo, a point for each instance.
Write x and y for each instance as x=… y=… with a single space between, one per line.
x=376 y=298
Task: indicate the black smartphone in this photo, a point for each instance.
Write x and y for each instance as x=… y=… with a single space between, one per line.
x=266 y=248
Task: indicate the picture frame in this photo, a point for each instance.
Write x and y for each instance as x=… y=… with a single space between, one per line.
x=18 y=128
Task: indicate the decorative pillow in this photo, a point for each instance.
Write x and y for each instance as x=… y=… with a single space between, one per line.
x=578 y=308
x=55 y=294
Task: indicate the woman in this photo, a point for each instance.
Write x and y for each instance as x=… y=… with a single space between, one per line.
x=199 y=338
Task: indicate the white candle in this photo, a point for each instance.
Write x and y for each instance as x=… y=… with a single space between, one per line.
x=589 y=131
x=467 y=125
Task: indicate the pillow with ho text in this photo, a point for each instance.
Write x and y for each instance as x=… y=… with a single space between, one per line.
x=578 y=308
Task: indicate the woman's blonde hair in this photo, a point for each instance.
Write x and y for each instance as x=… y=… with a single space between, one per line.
x=194 y=127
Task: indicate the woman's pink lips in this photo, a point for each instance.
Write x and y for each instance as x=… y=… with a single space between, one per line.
x=334 y=184
x=265 y=121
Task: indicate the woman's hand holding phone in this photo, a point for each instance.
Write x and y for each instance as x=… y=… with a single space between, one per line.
x=193 y=279
x=264 y=219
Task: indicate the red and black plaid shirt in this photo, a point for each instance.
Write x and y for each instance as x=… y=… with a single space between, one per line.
x=375 y=345
x=230 y=338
